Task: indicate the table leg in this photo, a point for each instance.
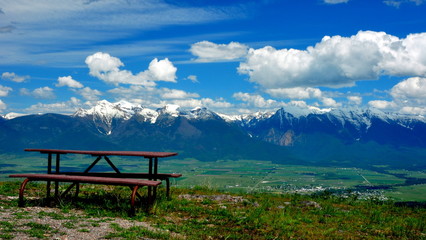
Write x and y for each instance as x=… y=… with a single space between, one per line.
x=150 y=177
x=49 y=171
x=57 y=171
x=155 y=174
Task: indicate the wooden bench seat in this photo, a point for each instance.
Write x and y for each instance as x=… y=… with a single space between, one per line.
x=134 y=184
x=160 y=176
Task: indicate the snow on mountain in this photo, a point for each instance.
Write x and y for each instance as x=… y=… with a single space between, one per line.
x=104 y=113
x=13 y=115
x=170 y=109
x=298 y=112
x=201 y=113
x=107 y=111
x=148 y=115
x=248 y=119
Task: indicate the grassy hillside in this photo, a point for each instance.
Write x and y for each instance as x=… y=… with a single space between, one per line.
x=202 y=213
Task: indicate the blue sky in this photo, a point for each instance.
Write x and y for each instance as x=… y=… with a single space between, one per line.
x=229 y=56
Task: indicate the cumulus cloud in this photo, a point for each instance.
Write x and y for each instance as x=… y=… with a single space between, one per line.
x=89 y=94
x=411 y=90
x=295 y=93
x=338 y=61
x=303 y=93
x=69 y=106
x=357 y=100
x=408 y=96
x=107 y=68
x=11 y=76
x=41 y=93
x=177 y=94
x=206 y=51
x=69 y=82
x=4 y=91
x=255 y=100
x=204 y=102
x=382 y=104
x=330 y=102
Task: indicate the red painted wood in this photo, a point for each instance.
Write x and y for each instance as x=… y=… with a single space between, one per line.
x=88 y=179
x=106 y=153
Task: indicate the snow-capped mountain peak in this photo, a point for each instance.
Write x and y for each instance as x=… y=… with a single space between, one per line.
x=13 y=115
x=108 y=111
x=170 y=109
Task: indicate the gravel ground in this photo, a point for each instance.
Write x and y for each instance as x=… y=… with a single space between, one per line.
x=65 y=226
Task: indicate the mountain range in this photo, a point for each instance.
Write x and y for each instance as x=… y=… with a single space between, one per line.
x=354 y=137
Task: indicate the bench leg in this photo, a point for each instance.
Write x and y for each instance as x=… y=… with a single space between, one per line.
x=132 y=200
x=21 y=192
x=168 y=188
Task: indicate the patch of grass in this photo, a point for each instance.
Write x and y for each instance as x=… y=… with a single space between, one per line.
x=38 y=230
x=136 y=233
x=53 y=215
x=6 y=227
x=69 y=224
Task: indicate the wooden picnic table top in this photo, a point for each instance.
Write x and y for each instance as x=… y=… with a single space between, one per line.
x=106 y=153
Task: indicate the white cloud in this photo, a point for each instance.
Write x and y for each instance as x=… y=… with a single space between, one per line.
x=107 y=68
x=11 y=76
x=204 y=102
x=382 y=104
x=338 y=61
x=408 y=96
x=89 y=94
x=69 y=106
x=192 y=78
x=329 y=102
x=295 y=93
x=162 y=70
x=177 y=94
x=410 y=91
x=3 y=105
x=357 y=100
x=335 y=1
x=256 y=100
x=69 y=82
x=211 y=52
x=300 y=104
x=41 y=93
x=4 y=91
x=413 y=110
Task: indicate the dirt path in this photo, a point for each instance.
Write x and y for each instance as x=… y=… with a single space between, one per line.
x=52 y=223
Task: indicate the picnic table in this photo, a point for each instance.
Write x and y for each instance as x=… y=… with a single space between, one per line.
x=55 y=174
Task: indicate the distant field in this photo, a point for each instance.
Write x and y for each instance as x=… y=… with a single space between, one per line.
x=243 y=175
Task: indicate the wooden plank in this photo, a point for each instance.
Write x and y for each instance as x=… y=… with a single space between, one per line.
x=88 y=179
x=106 y=153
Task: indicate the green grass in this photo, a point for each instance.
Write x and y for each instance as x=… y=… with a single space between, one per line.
x=206 y=213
